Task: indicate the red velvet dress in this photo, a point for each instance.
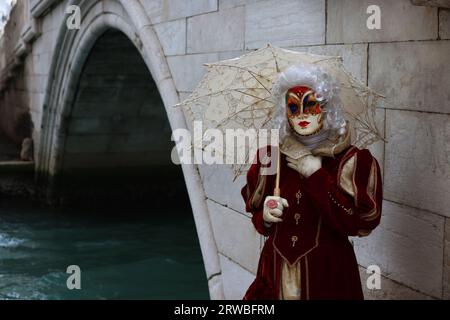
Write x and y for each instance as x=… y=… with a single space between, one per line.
x=341 y=199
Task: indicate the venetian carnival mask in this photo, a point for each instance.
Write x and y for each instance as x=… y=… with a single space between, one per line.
x=304 y=110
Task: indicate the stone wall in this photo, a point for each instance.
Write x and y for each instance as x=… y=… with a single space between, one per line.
x=407 y=60
x=15 y=122
x=42 y=54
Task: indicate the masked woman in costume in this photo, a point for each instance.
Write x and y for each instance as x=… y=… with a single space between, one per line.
x=330 y=190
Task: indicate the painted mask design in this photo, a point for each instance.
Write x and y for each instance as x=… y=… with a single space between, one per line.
x=304 y=110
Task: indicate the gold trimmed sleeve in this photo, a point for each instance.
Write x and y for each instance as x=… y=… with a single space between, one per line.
x=347 y=174
x=257 y=197
x=359 y=177
x=371 y=192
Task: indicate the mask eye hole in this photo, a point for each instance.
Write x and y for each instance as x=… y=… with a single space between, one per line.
x=313 y=109
x=310 y=107
x=293 y=107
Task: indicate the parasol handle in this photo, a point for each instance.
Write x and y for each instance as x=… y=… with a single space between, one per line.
x=276 y=190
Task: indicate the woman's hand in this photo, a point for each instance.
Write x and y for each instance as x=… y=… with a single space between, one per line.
x=306 y=165
x=273 y=209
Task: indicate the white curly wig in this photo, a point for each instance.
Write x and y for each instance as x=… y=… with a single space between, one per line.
x=321 y=82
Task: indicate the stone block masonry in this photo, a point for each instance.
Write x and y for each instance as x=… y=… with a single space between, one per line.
x=407 y=60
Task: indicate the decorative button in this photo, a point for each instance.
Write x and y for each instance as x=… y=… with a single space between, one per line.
x=349 y=211
x=298 y=195
x=294 y=240
x=297 y=217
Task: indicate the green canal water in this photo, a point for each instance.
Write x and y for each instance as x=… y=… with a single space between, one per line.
x=122 y=254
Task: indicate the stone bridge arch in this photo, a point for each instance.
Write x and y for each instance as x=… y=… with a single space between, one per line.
x=73 y=49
